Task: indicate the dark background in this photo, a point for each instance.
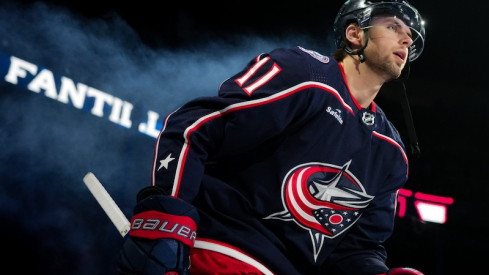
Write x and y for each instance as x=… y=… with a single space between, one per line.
x=159 y=55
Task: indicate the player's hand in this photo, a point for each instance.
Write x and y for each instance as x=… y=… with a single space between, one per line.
x=163 y=229
x=404 y=271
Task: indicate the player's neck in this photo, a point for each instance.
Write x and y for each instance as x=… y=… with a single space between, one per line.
x=364 y=84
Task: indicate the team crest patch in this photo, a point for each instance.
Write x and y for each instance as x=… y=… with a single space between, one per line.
x=323 y=199
x=316 y=55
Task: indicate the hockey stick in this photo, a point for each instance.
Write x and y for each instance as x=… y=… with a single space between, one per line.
x=108 y=205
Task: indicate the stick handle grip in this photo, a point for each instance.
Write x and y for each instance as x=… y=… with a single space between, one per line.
x=107 y=203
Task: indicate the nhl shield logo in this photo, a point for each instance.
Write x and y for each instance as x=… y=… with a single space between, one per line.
x=324 y=199
x=368 y=118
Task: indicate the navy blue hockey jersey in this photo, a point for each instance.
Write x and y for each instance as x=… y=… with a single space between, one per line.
x=288 y=171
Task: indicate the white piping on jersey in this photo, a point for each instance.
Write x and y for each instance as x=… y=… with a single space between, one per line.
x=232 y=253
x=394 y=143
x=245 y=105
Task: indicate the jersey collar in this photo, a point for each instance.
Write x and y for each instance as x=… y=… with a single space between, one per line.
x=372 y=107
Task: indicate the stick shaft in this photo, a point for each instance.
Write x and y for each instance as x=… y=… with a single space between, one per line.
x=107 y=203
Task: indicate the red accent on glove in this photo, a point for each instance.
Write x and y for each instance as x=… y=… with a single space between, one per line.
x=404 y=271
x=157 y=225
x=171 y=273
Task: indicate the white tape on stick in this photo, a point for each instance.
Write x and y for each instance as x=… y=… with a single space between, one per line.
x=107 y=203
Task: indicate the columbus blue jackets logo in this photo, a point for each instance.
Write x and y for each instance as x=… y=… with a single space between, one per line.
x=316 y=55
x=324 y=199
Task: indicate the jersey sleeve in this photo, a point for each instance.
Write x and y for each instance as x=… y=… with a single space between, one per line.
x=252 y=107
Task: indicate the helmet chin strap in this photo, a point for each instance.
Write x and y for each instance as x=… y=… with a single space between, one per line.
x=407 y=111
x=358 y=52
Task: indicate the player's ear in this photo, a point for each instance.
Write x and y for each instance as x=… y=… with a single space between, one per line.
x=354 y=34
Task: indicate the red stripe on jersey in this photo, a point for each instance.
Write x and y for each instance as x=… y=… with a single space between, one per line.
x=393 y=142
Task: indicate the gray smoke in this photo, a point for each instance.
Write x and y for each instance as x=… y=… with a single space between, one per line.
x=52 y=220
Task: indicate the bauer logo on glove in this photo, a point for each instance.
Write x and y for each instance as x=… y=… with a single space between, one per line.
x=157 y=225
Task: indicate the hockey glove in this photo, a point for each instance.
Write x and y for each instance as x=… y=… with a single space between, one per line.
x=163 y=229
x=404 y=271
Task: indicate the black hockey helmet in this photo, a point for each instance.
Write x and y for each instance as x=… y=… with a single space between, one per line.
x=361 y=11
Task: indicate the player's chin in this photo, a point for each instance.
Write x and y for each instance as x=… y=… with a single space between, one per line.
x=394 y=74
x=397 y=68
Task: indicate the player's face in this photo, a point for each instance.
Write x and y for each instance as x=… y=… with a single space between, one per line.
x=387 y=50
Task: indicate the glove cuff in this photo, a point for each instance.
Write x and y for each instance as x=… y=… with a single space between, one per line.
x=166 y=204
x=157 y=225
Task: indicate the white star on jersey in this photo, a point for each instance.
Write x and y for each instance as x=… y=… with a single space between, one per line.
x=164 y=163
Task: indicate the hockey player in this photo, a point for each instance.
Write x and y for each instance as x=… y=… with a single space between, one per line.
x=291 y=169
